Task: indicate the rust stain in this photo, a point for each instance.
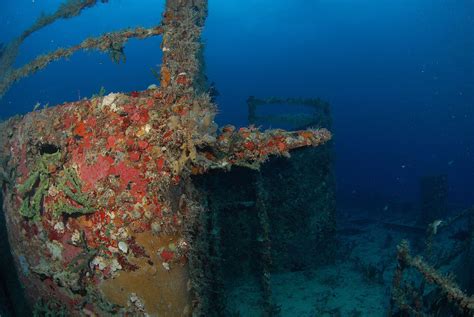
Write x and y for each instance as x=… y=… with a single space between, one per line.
x=164 y=292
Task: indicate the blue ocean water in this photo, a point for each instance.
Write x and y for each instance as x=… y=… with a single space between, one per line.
x=399 y=76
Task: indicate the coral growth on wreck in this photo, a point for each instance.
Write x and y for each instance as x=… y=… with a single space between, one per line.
x=105 y=218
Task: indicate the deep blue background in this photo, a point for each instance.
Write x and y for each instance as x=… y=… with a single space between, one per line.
x=399 y=75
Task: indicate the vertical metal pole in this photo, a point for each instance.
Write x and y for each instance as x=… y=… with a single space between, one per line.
x=265 y=249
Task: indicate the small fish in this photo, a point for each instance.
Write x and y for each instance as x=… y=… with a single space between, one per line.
x=461 y=235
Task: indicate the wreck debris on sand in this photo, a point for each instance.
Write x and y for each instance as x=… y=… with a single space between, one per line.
x=407 y=298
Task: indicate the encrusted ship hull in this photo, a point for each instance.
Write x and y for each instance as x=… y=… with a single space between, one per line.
x=99 y=202
x=102 y=215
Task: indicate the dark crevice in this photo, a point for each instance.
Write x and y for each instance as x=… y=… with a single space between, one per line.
x=47 y=148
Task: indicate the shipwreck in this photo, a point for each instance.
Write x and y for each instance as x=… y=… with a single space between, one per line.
x=126 y=203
